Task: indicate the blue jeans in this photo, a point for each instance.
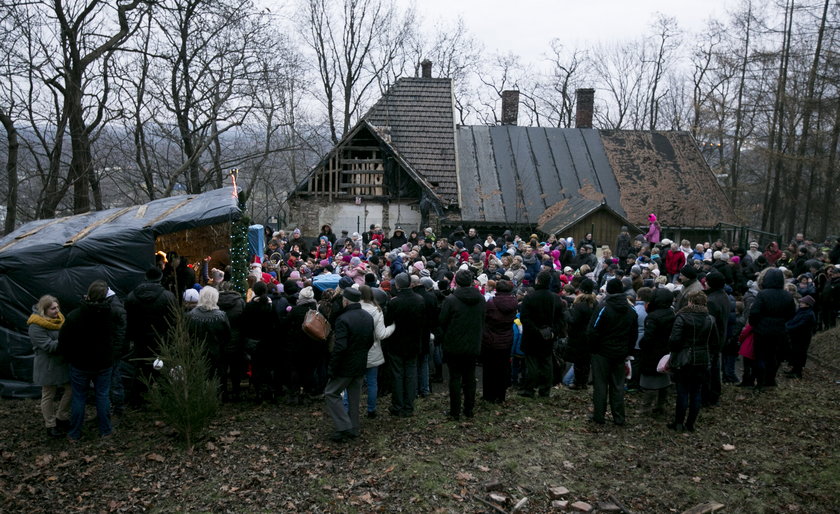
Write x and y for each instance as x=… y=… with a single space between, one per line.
x=423 y=375
x=79 y=383
x=689 y=395
x=371 y=377
x=117 y=388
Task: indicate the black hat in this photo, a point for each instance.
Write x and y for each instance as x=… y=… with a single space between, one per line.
x=715 y=280
x=352 y=294
x=689 y=272
x=290 y=287
x=587 y=286
x=345 y=282
x=154 y=274
x=614 y=286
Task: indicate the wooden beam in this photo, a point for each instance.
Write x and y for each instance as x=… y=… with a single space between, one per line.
x=362 y=172
x=90 y=228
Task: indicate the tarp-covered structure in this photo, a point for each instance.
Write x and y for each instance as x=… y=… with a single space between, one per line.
x=63 y=256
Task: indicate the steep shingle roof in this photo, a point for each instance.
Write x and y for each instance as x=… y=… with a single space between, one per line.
x=512 y=174
x=665 y=173
x=417 y=115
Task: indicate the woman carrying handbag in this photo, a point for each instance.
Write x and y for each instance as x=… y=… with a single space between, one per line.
x=692 y=336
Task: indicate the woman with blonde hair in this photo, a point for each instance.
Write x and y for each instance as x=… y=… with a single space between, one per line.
x=50 y=371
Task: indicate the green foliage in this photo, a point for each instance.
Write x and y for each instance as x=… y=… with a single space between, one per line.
x=182 y=390
x=239 y=255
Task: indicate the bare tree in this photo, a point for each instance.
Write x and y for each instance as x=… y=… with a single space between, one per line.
x=354 y=42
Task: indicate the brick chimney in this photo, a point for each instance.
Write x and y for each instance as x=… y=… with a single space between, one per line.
x=426 y=67
x=510 y=107
x=585 y=107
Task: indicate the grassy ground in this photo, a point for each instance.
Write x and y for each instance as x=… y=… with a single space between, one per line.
x=278 y=458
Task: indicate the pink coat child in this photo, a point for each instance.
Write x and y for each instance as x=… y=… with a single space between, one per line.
x=653 y=234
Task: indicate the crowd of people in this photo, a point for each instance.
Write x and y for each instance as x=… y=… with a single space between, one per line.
x=531 y=313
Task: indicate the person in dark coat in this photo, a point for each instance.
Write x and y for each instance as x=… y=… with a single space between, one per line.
x=497 y=341
x=122 y=350
x=461 y=326
x=772 y=308
x=150 y=310
x=208 y=325
x=799 y=329
x=261 y=345
x=719 y=308
x=579 y=315
x=233 y=305
x=541 y=309
x=302 y=352
x=403 y=347
x=622 y=244
x=397 y=239
x=347 y=365
x=652 y=347
x=86 y=341
x=830 y=297
x=693 y=328
x=612 y=335
x=431 y=315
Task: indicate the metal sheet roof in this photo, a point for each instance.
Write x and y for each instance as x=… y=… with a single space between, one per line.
x=512 y=174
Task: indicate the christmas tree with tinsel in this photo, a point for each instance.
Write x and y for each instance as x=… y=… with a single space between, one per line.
x=239 y=249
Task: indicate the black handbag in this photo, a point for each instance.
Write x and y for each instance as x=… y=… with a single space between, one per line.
x=692 y=355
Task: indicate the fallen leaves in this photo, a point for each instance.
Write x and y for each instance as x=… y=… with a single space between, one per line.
x=156 y=457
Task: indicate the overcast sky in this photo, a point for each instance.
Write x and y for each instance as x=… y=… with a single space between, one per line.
x=526 y=27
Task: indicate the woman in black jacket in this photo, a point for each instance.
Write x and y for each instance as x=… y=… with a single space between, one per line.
x=653 y=345
x=258 y=327
x=694 y=329
x=579 y=315
x=209 y=326
x=772 y=308
x=497 y=341
x=233 y=361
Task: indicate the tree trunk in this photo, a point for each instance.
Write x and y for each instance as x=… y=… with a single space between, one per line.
x=735 y=165
x=828 y=206
x=11 y=171
x=776 y=158
x=792 y=211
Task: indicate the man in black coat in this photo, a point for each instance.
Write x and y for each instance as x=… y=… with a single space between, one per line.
x=772 y=308
x=403 y=347
x=150 y=310
x=541 y=310
x=612 y=335
x=719 y=308
x=462 y=325
x=348 y=363
x=86 y=341
x=431 y=316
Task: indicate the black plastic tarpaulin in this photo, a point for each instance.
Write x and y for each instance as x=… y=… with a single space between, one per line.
x=63 y=256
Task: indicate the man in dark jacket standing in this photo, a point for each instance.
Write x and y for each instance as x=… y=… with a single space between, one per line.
x=348 y=362
x=541 y=310
x=86 y=340
x=403 y=347
x=431 y=316
x=719 y=307
x=150 y=309
x=612 y=334
x=462 y=324
x=772 y=308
